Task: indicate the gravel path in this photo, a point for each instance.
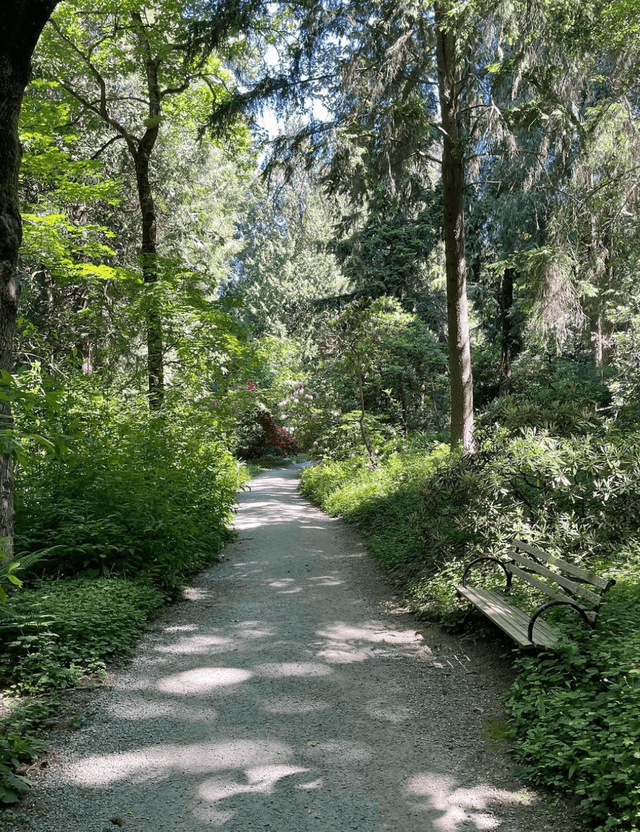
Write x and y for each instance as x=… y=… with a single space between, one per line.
x=289 y=693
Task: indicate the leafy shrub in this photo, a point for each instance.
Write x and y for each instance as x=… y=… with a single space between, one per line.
x=20 y=742
x=379 y=373
x=341 y=437
x=552 y=395
x=259 y=435
x=136 y=494
x=51 y=636
x=54 y=633
x=576 y=715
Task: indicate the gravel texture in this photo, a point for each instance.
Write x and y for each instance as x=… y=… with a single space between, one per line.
x=288 y=692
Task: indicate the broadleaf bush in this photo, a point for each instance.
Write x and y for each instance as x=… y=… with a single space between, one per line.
x=136 y=494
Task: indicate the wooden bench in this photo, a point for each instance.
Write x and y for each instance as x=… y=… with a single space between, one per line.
x=564 y=583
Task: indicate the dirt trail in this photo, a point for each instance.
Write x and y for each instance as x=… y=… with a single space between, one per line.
x=289 y=693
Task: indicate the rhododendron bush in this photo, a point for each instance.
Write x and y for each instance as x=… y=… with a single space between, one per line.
x=260 y=435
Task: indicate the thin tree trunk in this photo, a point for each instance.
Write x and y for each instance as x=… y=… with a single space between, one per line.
x=150 y=276
x=82 y=300
x=21 y=23
x=601 y=327
x=149 y=251
x=506 y=330
x=140 y=150
x=363 y=413
x=601 y=337
x=453 y=169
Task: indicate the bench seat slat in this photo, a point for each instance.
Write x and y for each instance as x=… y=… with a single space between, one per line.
x=569 y=568
x=511 y=620
x=573 y=587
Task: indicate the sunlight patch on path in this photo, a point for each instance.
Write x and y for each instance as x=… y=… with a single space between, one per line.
x=281 y=670
x=460 y=805
x=202 y=679
x=159 y=762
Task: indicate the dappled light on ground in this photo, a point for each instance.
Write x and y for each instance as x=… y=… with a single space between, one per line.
x=164 y=761
x=203 y=679
x=278 y=697
x=283 y=669
x=196 y=644
x=268 y=514
x=459 y=805
x=261 y=780
x=343 y=643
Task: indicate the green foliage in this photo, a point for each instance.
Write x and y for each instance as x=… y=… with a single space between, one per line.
x=20 y=743
x=33 y=406
x=550 y=394
x=283 y=268
x=325 y=479
x=51 y=172
x=8 y=577
x=60 y=191
x=137 y=495
x=57 y=631
x=50 y=637
x=386 y=254
x=380 y=375
x=576 y=715
x=340 y=437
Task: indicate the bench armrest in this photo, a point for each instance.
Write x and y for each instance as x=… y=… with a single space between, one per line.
x=550 y=604
x=486 y=557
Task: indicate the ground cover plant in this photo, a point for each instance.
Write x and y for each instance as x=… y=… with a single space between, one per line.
x=52 y=635
x=574 y=715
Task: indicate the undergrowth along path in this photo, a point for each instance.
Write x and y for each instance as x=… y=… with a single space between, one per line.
x=288 y=692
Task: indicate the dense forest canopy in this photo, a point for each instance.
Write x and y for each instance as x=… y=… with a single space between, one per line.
x=472 y=181
x=434 y=252
x=475 y=165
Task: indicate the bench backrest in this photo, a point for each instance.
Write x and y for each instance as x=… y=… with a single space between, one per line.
x=557 y=578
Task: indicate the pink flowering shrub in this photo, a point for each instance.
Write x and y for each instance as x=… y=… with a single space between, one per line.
x=260 y=434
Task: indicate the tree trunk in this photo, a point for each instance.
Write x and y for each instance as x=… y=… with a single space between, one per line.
x=21 y=23
x=150 y=276
x=453 y=168
x=149 y=251
x=601 y=340
x=363 y=415
x=507 y=339
x=140 y=150
x=601 y=327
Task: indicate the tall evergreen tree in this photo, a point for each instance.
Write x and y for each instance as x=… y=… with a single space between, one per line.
x=411 y=92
